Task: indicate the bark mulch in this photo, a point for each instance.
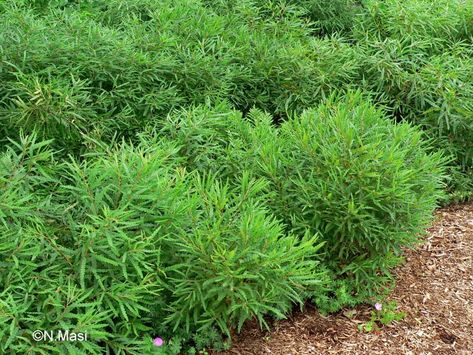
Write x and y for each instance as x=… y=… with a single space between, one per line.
x=434 y=288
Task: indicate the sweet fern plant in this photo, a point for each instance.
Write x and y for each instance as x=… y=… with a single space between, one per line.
x=171 y=169
x=344 y=170
x=235 y=263
x=125 y=245
x=367 y=185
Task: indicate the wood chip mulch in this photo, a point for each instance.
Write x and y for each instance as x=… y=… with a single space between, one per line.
x=434 y=288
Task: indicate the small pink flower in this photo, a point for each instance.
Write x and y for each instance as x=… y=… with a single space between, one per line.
x=158 y=341
x=378 y=306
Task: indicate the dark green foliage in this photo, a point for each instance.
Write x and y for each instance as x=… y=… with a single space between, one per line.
x=324 y=17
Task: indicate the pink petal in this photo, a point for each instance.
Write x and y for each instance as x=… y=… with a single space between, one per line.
x=158 y=341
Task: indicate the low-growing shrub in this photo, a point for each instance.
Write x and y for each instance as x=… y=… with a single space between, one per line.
x=417 y=60
x=201 y=133
x=333 y=16
x=75 y=257
x=236 y=264
x=324 y=17
x=432 y=91
x=180 y=176
x=440 y=22
x=344 y=170
x=125 y=246
x=103 y=69
x=53 y=107
x=367 y=185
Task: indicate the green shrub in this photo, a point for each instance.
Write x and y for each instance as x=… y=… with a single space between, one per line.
x=369 y=186
x=237 y=264
x=441 y=23
x=324 y=17
x=125 y=245
x=432 y=91
x=81 y=261
x=444 y=108
x=443 y=97
x=120 y=72
x=387 y=67
x=203 y=135
x=332 y=16
x=178 y=178
x=417 y=60
x=52 y=107
x=366 y=184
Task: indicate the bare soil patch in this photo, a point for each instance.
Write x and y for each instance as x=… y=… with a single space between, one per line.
x=434 y=288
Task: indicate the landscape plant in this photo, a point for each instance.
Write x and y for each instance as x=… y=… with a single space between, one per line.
x=367 y=185
x=174 y=169
x=383 y=314
x=127 y=246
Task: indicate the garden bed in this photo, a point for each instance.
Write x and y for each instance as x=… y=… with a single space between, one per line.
x=434 y=289
x=173 y=169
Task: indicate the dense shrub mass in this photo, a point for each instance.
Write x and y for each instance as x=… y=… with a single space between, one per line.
x=127 y=245
x=325 y=17
x=176 y=168
x=365 y=184
x=418 y=60
x=132 y=71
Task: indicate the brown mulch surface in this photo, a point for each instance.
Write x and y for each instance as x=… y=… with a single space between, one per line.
x=434 y=288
